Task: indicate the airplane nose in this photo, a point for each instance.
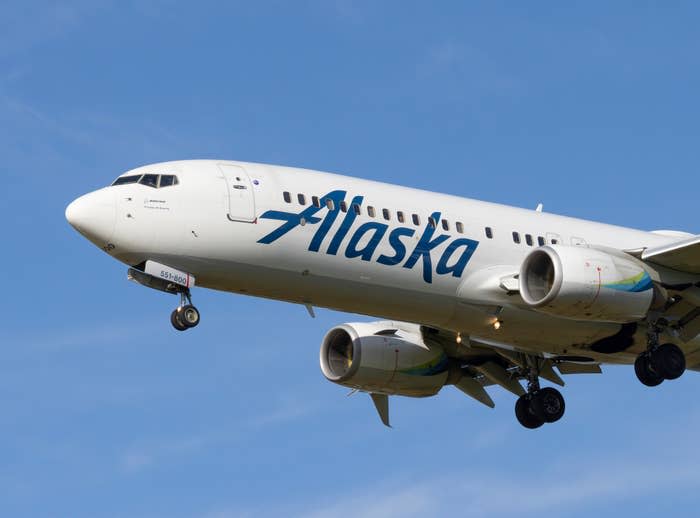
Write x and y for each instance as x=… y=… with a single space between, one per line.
x=94 y=216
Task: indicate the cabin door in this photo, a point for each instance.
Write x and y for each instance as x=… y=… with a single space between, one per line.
x=241 y=200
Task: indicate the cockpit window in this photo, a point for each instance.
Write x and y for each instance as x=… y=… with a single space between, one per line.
x=149 y=179
x=166 y=180
x=127 y=179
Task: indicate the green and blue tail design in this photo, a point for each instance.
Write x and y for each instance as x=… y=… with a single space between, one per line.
x=638 y=283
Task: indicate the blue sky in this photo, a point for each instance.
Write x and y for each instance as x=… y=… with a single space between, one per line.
x=588 y=107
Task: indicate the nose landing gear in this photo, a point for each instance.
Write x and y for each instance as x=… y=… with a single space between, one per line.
x=185 y=316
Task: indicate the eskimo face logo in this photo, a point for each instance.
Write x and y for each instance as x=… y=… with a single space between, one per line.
x=366 y=238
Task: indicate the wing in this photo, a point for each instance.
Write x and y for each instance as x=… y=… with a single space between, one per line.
x=683 y=255
x=485 y=363
x=683 y=302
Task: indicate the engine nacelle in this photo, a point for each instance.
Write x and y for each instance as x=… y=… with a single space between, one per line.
x=586 y=284
x=382 y=357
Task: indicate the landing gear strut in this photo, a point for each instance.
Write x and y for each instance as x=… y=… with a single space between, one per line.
x=185 y=315
x=659 y=362
x=539 y=405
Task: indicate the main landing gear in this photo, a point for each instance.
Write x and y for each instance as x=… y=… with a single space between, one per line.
x=659 y=362
x=539 y=405
x=185 y=315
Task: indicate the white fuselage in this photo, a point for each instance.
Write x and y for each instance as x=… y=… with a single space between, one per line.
x=230 y=225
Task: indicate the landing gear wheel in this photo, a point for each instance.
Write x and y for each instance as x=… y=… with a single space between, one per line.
x=548 y=404
x=525 y=414
x=668 y=361
x=189 y=315
x=642 y=368
x=175 y=321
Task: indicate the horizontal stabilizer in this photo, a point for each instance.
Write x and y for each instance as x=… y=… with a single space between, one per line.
x=381 y=403
x=683 y=255
x=473 y=388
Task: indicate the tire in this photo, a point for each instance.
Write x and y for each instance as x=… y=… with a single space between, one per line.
x=524 y=414
x=189 y=316
x=175 y=321
x=548 y=404
x=668 y=361
x=644 y=373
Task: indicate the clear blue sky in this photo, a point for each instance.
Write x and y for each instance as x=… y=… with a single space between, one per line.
x=589 y=108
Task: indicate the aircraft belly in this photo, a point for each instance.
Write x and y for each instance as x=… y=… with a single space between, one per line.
x=521 y=328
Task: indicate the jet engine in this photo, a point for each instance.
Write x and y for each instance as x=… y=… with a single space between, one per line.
x=383 y=357
x=586 y=284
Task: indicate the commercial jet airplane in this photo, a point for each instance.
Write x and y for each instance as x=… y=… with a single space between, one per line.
x=471 y=294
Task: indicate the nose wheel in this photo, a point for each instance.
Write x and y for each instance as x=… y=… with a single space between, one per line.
x=185 y=316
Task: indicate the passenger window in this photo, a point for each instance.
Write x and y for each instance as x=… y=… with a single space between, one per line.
x=489 y=232
x=386 y=214
x=316 y=202
x=416 y=219
x=330 y=204
x=528 y=239
x=343 y=206
x=445 y=225
x=432 y=222
x=151 y=180
x=555 y=241
x=370 y=211
x=356 y=208
x=459 y=227
x=302 y=199
x=287 y=197
x=127 y=179
x=540 y=240
x=516 y=238
x=400 y=216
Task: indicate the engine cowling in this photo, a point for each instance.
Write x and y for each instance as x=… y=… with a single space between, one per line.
x=586 y=284
x=383 y=357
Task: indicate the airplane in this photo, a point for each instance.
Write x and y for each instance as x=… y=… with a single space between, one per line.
x=469 y=293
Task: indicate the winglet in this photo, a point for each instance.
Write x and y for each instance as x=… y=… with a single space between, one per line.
x=381 y=403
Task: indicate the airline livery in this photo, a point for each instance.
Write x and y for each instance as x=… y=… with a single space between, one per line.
x=470 y=294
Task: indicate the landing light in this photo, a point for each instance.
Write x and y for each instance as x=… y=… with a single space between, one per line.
x=497 y=325
x=459 y=338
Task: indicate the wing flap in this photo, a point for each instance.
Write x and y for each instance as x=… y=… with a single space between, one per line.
x=500 y=376
x=683 y=255
x=578 y=368
x=473 y=388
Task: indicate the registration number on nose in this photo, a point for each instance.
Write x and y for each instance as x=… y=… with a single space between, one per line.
x=169 y=274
